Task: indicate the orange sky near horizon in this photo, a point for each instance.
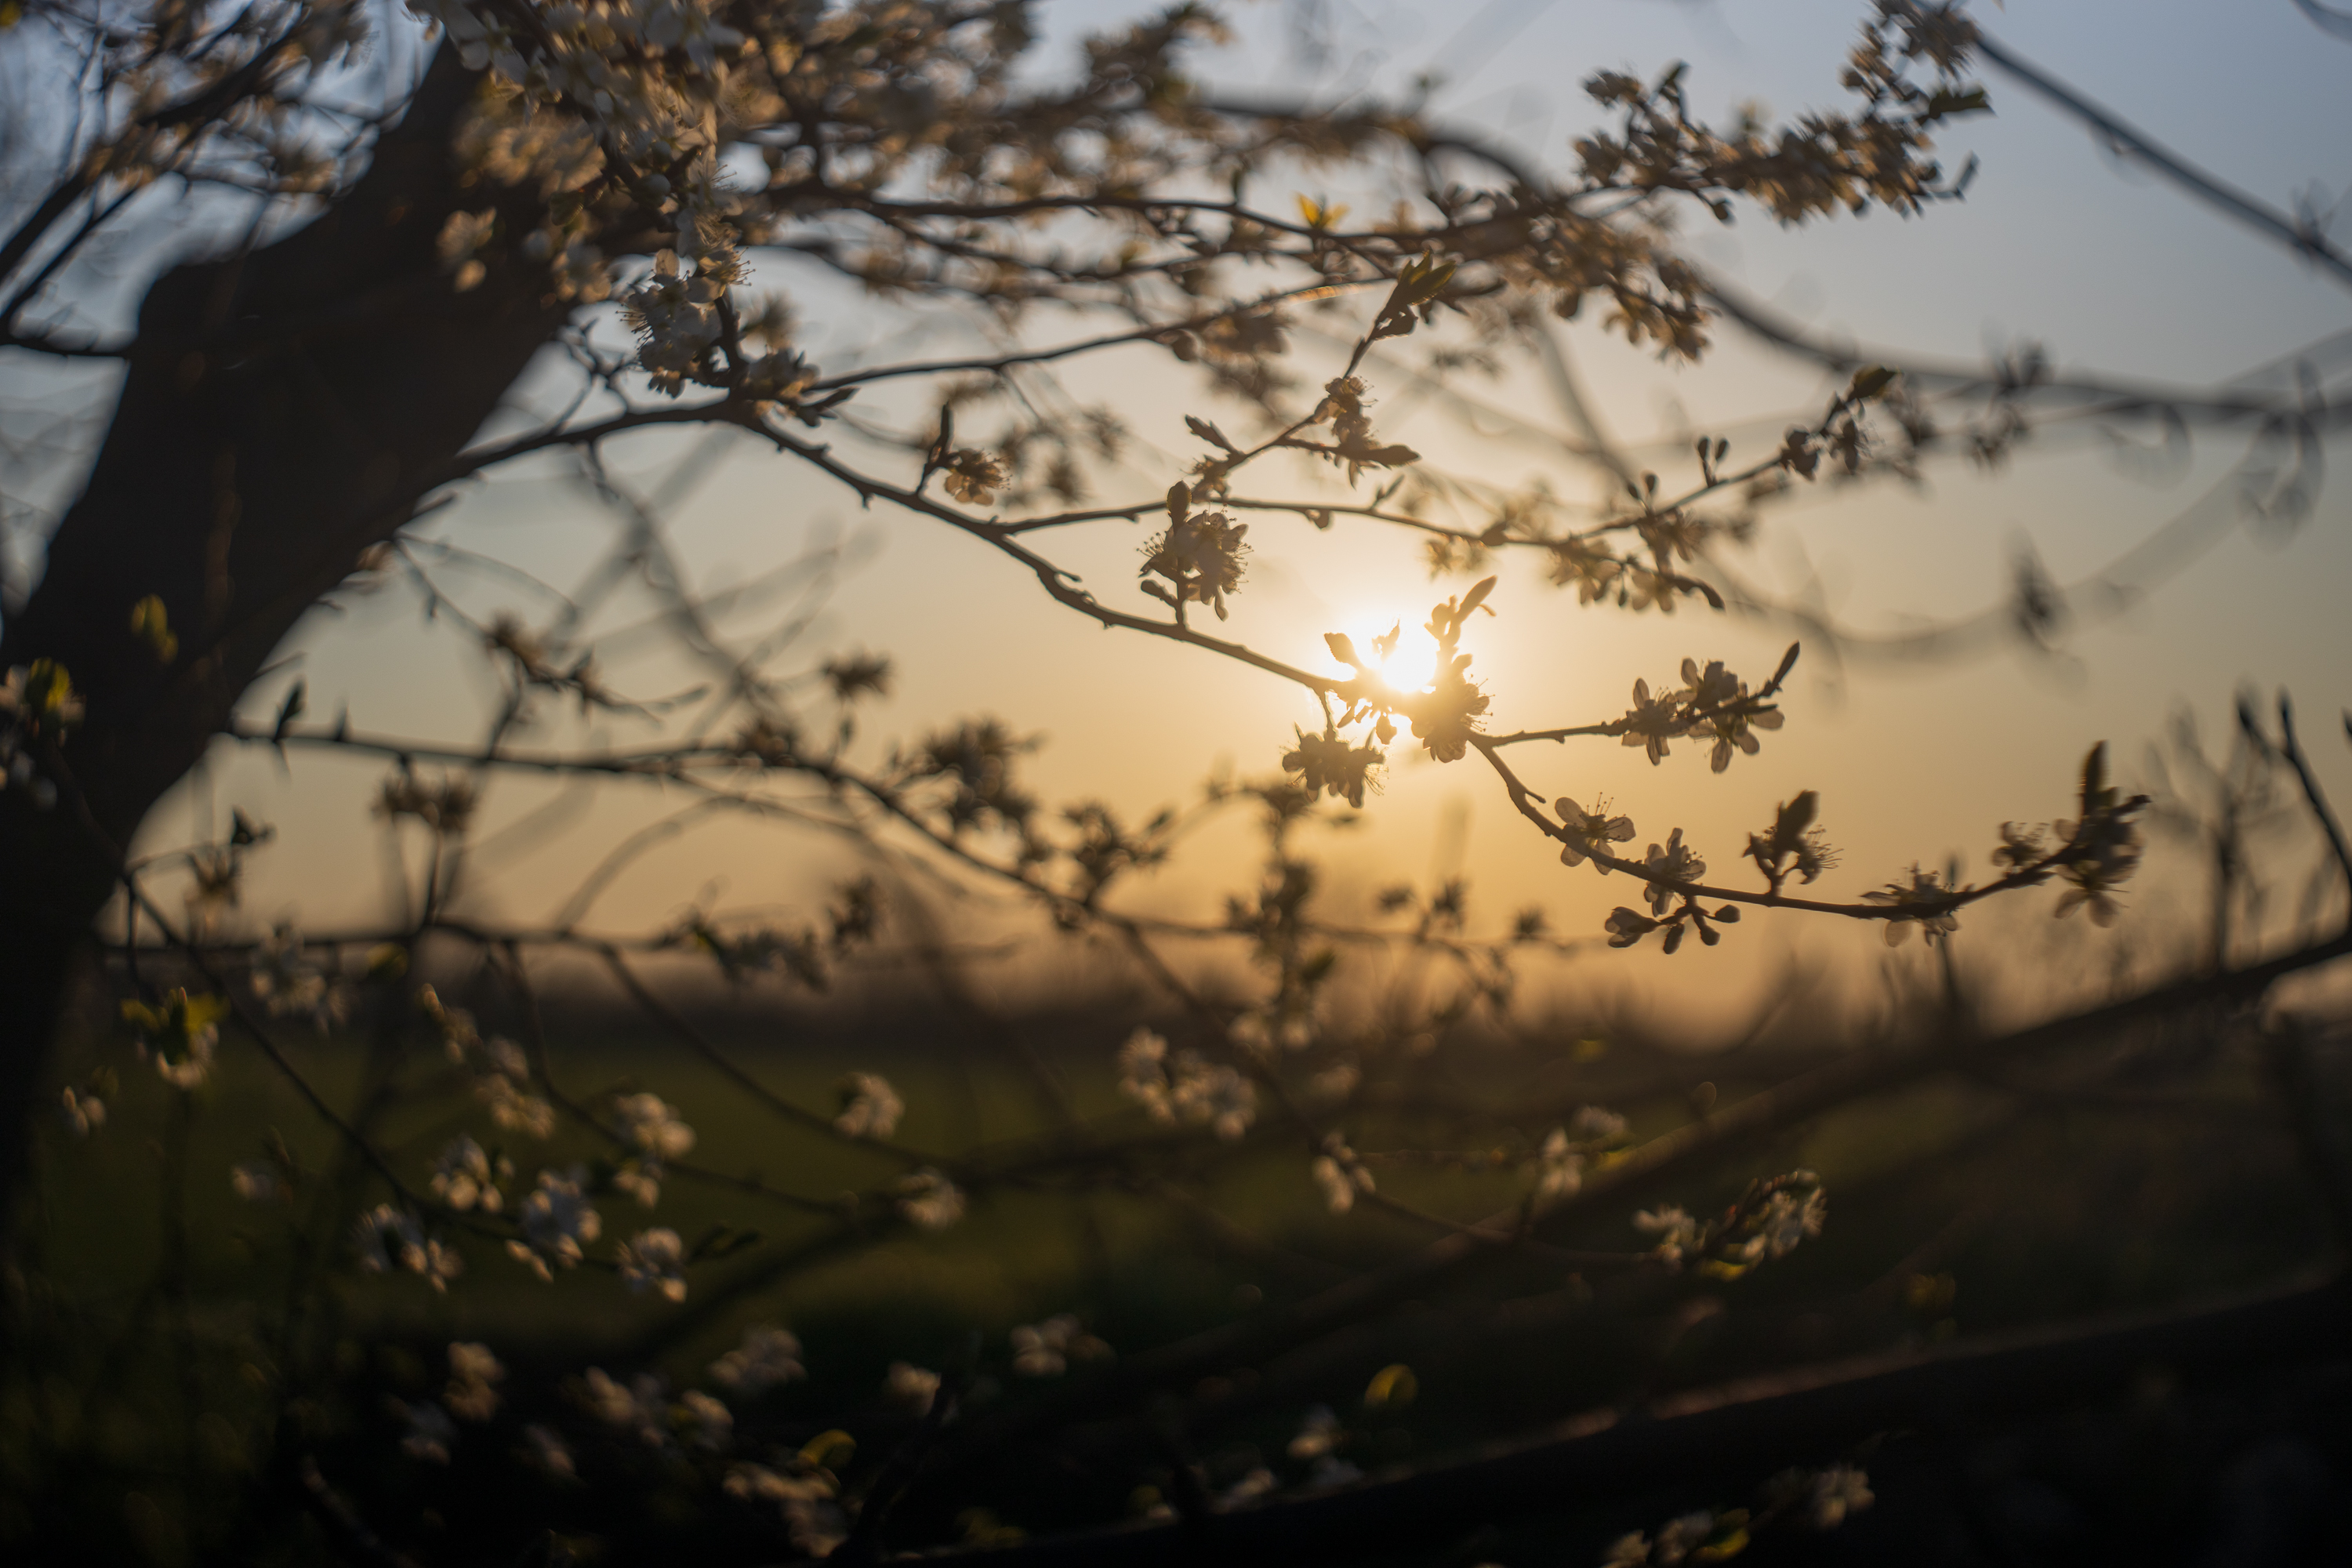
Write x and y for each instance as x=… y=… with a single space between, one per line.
x=2114 y=272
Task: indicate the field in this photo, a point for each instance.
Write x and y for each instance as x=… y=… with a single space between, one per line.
x=2148 y=1173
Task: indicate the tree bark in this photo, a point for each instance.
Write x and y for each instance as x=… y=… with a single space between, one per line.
x=283 y=410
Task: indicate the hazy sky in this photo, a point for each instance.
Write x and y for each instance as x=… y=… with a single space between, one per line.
x=2057 y=243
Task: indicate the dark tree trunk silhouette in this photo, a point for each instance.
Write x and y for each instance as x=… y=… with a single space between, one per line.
x=283 y=410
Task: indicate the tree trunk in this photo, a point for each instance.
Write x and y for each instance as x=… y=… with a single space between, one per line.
x=283 y=410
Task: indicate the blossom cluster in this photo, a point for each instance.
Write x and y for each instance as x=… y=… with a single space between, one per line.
x=1046 y=1349
x=1772 y=1217
x=502 y=1070
x=1712 y=705
x=1185 y=1087
x=1560 y=1160
x=391 y=1238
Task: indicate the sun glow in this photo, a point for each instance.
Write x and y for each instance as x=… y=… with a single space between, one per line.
x=1411 y=662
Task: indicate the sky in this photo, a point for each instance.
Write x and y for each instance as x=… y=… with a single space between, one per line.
x=2058 y=243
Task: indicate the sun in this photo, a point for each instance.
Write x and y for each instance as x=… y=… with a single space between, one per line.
x=1411 y=662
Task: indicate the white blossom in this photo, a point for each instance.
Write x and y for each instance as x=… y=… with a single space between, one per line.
x=1836 y=1492
x=390 y=1239
x=85 y=1113
x=1679 y=1537
x=512 y=1109
x=1319 y=1434
x=1046 y=1349
x=430 y=1433
x=464 y=1178
x=711 y=1424
x=1143 y=1074
x=475 y=1372
x=507 y=1058
x=1788 y=1219
x=870 y=1107
x=1214 y=1094
x=1185 y=1087
x=549 y=1452
x=1331 y=1470
x=655 y=1260
x=556 y=1223
x=768 y=1358
x=929 y=1199
x=911 y=1388
x=1670 y=865
x=1560 y=1169
x=1676 y=1232
x=640 y=1406
x=1630 y=1550
x=287 y=984
x=1341 y=1174
x=1591 y=1124
x=652 y=1126
x=254 y=1182
x=1335 y=1084
x=807 y=1503
x=641 y=1179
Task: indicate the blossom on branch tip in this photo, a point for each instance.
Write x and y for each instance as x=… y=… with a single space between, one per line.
x=768 y=1358
x=465 y=1178
x=1046 y=1349
x=1625 y=927
x=390 y=1239
x=655 y=1260
x=1676 y=1233
x=2021 y=845
x=1589 y=832
x=1836 y=1492
x=639 y=1406
x=1925 y=902
x=557 y=1222
x=254 y=1182
x=1595 y=1125
x=1651 y=723
x=709 y=1423
x=431 y=1434
x=929 y=1199
x=870 y=1107
x=1200 y=555
x=1330 y=764
x=1793 y=842
x=84 y=1112
x=1560 y=1169
x=180 y=1033
x=1185 y=1087
x=1447 y=715
x=287 y=985
x=1339 y=1173
x=1143 y=1074
x=1667 y=866
x=911 y=1388
x=2098 y=853
x=475 y=1372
